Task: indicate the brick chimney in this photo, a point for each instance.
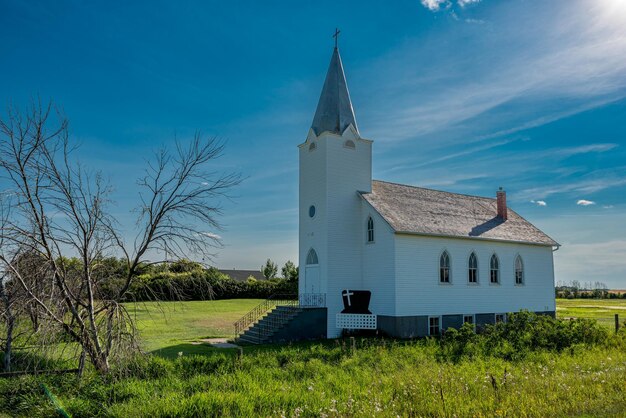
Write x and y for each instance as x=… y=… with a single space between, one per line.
x=501 y=204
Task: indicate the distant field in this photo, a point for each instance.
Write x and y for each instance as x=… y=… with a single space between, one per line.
x=602 y=310
x=171 y=327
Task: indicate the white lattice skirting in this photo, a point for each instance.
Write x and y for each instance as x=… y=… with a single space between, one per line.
x=356 y=321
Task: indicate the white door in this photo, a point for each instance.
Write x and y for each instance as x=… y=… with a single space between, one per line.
x=312 y=279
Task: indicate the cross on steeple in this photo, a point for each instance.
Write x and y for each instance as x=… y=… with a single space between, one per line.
x=336 y=36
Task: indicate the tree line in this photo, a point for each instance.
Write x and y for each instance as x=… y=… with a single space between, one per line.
x=574 y=289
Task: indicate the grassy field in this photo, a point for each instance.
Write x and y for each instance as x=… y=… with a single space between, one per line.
x=375 y=377
x=602 y=310
x=333 y=379
x=168 y=328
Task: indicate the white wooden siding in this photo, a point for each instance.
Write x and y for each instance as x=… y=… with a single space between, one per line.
x=312 y=191
x=331 y=176
x=379 y=263
x=418 y=291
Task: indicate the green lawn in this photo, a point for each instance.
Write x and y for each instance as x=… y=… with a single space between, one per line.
x=602 y=310
x=170 y=327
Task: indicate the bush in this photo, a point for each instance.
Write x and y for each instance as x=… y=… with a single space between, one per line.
x=522 y=333
x=201 y=284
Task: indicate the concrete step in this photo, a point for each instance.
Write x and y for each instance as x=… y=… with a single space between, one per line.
x=249 y=340
x=261 y=331
x=266 y=326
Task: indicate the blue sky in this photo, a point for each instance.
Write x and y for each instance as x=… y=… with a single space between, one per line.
x=462 y=95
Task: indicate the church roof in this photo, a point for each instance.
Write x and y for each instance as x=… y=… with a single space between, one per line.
x=242 y=275
x=416 y=210
x=334 y=110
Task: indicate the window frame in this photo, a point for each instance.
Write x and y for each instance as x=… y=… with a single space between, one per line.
x=308 y=254
x=438 y=325
x=522 y=280
x=350 y=144
x=369 y=230
x=501 y=315
x=474 y=269
x=494 y=256
x=442 y=267
x=473 y=319
x=312 y=146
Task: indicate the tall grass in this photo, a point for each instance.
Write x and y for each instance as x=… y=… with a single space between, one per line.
x=459 y=375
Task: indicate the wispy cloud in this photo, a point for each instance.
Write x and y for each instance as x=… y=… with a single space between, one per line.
x=211 y=235
x=451 y=180
x=572 y=186
x=464 y=3
x=451 y=156
x=567 y=152
x=539 y=202
x=471 y=79
x=435 y=5
x=583 y=202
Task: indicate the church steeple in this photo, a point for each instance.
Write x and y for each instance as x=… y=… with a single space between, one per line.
x=334 y=110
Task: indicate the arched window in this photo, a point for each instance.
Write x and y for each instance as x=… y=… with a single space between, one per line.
x=349 y=144
x=444 y=268
x=519 y=270
x=472 y=269
x=312 y=146
x=370 y=229
x=494 y=266
x=311 y=258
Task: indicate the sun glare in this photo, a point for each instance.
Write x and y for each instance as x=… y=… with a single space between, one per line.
x=615 y=9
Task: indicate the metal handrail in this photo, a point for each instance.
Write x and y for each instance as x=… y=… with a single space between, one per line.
x=261 y=309
x=305 y=300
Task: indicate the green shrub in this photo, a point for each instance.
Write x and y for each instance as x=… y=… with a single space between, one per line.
x=522 y=333
x=200 y=284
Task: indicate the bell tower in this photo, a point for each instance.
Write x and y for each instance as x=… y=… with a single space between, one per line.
x=335 y=165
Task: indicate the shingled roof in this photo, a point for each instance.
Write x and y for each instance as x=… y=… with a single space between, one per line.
x=415 y=210
x=242 y=275
x=334 y=111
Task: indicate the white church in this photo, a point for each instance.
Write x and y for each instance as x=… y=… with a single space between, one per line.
x=431 y=259
x=427 y=260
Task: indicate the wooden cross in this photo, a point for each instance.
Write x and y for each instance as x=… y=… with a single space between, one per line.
x=336 y=36
x=348 y=294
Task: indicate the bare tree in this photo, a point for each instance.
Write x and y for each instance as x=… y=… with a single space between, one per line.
x=53 y=207
x=9 y=319
x=16 y=304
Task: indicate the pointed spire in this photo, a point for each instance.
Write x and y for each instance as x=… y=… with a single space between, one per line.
x=334 y=110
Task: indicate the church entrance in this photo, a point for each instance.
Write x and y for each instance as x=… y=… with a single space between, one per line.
x=312 y=273
x=312 y=279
